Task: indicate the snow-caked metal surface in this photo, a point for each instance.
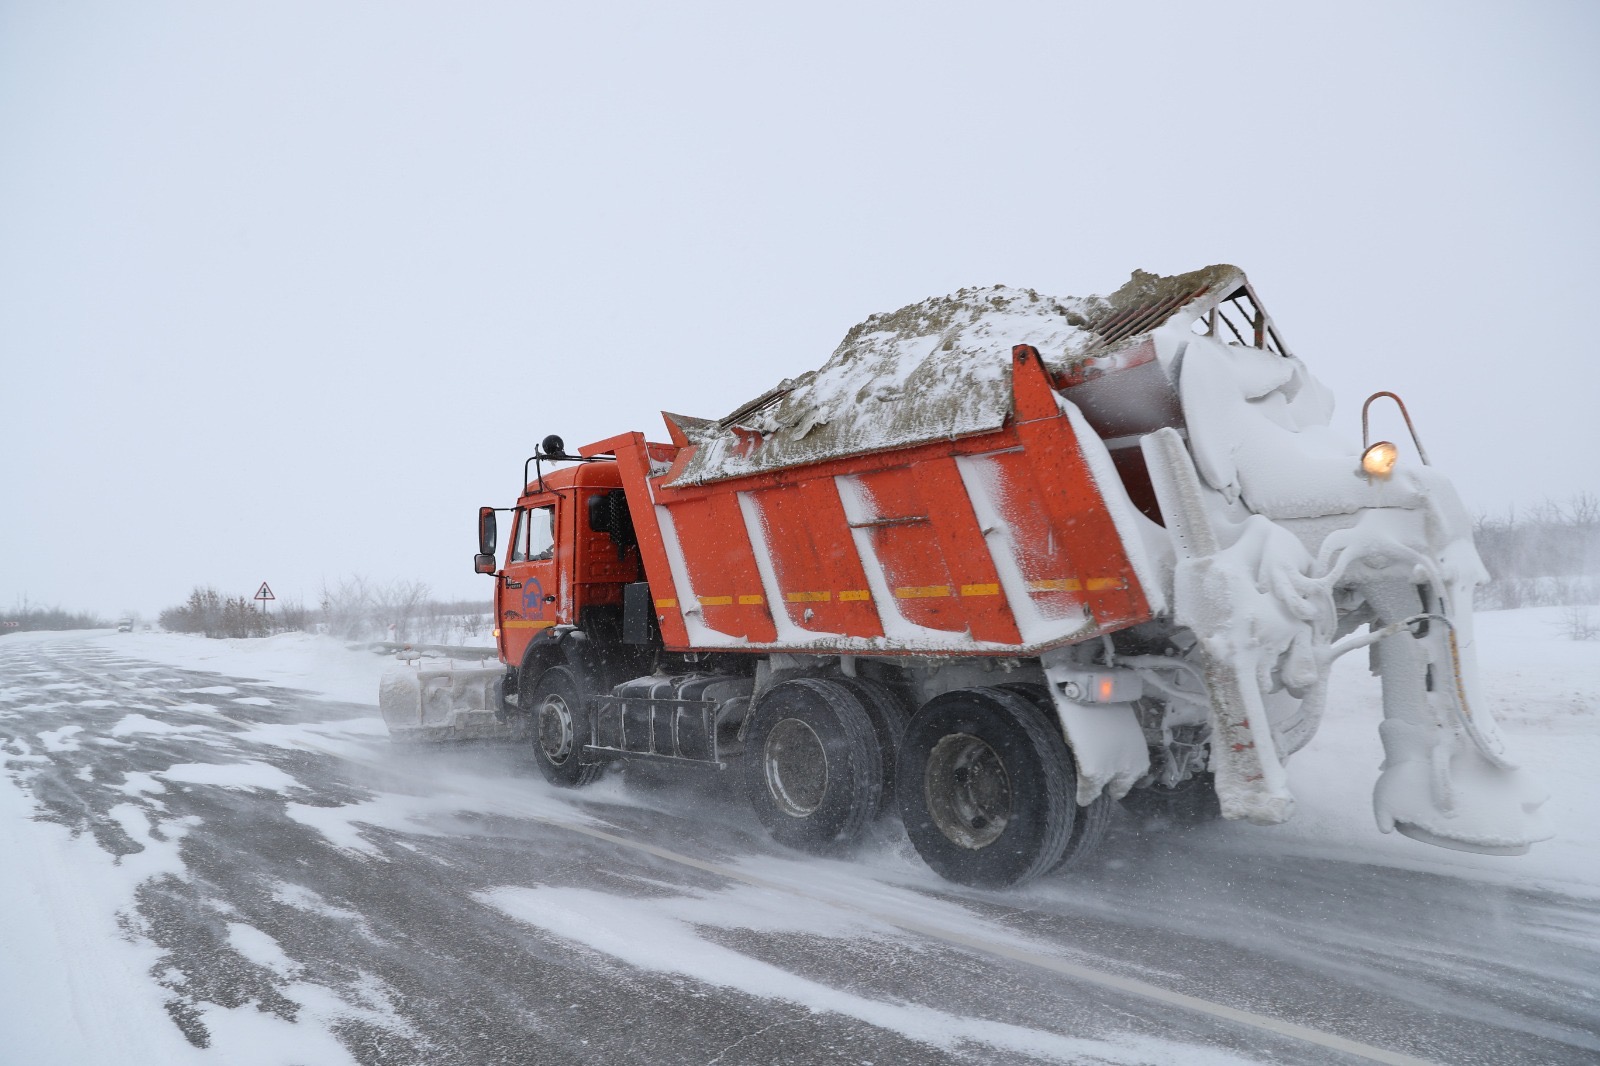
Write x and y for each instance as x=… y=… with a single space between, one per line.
x=1285 y=547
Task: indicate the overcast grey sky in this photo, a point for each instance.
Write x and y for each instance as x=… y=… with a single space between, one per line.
x=288 y=289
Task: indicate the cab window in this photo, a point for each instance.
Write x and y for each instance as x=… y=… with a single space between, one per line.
x=535 y=536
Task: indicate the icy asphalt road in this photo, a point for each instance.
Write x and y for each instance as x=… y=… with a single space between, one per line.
x=445 y=906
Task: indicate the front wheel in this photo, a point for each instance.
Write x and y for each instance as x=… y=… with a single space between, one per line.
x=813 y=766
x=560 y=728
x=1089 y=824
x=986 y=788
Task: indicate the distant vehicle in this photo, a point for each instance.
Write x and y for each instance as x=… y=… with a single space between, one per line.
x=125 y=626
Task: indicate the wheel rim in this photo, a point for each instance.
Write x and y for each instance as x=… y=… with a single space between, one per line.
x=555 y=729
x=968 y=791
x=796 y=768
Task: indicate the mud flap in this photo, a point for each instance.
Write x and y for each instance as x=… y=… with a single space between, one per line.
x=1250 y=779
x=1107 y=743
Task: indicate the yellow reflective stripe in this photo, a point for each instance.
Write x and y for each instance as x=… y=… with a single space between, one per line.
x=664 y=604
x=808 y=597
x=921 y=592
x=980 y=590
x=749 y=601
x=526 y=624
x=1072 y=584
x=855 y=594
x=715 y=601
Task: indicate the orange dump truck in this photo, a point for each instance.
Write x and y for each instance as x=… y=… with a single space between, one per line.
x=1004 y=560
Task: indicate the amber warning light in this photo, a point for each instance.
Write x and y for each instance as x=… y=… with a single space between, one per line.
x=1100 y=686
x=1379 y=460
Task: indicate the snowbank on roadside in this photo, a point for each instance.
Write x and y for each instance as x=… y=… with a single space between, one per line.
x=76 y=988
x=318 y=664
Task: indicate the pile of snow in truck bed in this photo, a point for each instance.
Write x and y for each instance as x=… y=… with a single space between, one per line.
x=932 y=370
x=939 y=368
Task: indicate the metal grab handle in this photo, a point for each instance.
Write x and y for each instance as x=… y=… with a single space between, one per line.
x=1366 y=441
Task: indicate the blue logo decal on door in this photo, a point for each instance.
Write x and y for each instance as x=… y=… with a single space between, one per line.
x=532 y=599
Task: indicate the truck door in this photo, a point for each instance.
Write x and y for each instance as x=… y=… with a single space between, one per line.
x=528 y=597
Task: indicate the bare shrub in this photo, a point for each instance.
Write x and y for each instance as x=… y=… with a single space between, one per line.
x=290 y=617
x=1548 y=557
x=26 y=616
x=1578 y=624
x=347 y=608
x=399 y=607
x=207 y=611
x=358 y=608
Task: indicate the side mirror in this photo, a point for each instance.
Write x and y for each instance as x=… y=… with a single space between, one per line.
x=488 y=534
x=483 y=564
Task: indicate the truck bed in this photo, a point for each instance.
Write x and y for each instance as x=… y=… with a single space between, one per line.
x=1005 y=542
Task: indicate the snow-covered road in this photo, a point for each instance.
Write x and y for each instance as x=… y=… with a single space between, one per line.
x=201 y=867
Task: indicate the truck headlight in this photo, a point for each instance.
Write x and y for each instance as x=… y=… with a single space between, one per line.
x=1379 y=460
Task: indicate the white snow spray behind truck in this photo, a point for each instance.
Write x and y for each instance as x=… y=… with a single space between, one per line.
x=1004 y=560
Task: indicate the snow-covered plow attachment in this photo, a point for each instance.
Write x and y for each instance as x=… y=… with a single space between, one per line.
x=431 y=698
x=1292 y=549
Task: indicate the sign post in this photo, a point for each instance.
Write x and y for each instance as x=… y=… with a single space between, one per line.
x=264 y=594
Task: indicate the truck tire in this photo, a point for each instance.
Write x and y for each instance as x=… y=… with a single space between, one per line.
x=986 y=788
x=1089 y=824
x=813 y=767
x=559 y=727
x=889 y=718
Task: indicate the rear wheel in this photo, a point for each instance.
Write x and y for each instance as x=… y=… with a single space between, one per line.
x=813 y=768
x=889 y=717
x=986 y=788
x=1089 y=823
x=559 y=727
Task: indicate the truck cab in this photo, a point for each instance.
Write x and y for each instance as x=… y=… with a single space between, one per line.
x=569 y=555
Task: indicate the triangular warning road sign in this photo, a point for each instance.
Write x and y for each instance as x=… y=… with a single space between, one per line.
x=264 y=593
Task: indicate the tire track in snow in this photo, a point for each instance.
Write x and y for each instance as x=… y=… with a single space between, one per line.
x=1037 y=959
